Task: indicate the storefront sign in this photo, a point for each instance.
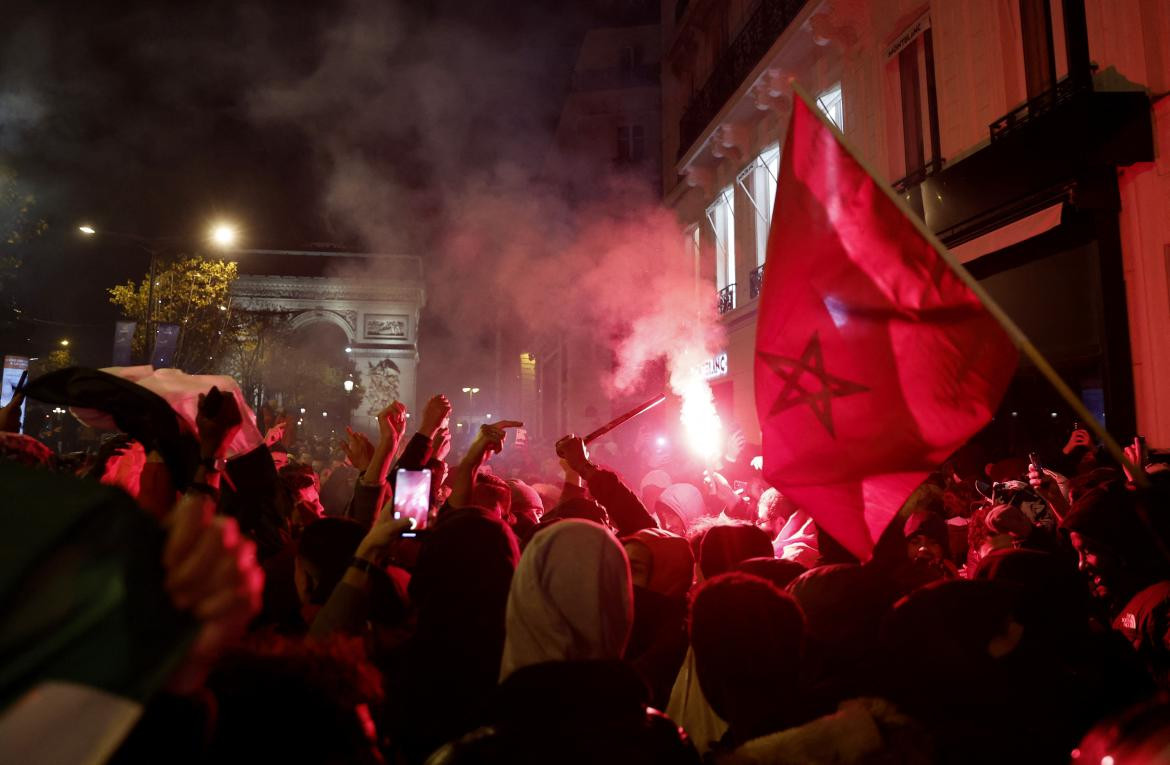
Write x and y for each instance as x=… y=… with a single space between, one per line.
x=714 y=367
x=901 y=41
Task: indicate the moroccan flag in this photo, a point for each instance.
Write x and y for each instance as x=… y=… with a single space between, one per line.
x=874 y=359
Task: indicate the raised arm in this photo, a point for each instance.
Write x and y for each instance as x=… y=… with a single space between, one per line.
x=625 y=509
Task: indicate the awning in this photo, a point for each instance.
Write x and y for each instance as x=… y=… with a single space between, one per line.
x=1013 y=233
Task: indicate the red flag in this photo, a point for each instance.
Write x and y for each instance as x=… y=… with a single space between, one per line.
x=874 y=360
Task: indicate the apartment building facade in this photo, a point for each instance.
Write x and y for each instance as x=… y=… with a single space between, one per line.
x=1032 y=136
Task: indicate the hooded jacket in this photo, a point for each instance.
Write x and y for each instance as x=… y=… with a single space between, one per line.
x=570 y=599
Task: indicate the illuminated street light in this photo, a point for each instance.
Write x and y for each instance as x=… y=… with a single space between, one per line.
x=302 y=410
x=470 y=396
x=324 y=414
x=348 y=349
x=223 y=235
x=64 y=343
x=348 y=385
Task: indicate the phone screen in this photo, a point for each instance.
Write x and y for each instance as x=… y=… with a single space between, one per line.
x=412 y=496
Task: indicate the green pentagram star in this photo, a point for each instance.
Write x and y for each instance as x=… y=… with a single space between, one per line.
x=794 y=393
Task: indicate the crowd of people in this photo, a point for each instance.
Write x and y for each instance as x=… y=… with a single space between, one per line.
x=619 y=606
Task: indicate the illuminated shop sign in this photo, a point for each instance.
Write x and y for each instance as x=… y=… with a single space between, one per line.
x=714 y=367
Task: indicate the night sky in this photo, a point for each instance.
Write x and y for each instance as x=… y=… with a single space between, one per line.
x=346 y=124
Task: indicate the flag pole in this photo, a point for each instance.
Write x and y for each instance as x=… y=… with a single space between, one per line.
x=1014 y=332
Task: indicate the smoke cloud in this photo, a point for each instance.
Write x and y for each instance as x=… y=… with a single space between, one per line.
x=425 y=129
x=434 y=143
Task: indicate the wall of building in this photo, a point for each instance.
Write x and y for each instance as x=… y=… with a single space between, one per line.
x=979 y=70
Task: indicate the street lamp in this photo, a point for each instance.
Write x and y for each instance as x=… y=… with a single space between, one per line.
x=64 y=343
x=348 y=385
x=223 y=235
x=471 y=397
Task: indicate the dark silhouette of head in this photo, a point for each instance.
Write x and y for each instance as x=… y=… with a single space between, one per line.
x=747 y=636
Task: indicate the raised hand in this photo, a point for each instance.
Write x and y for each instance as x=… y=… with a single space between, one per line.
x=391 y=426
x=1136 y=454
x=572 y=450
x=276 y=433
x=1047 y=484
x=1080 y=439
x=218 y=419
x=490 y=439
x=392 y=421
x=441 y=443
x=385 y=530
x=211 y=571
x=10 y=414
x=359 y=450
x=435 y=415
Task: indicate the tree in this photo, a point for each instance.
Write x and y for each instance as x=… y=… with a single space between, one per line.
x=58 y=358
x=192 y=292
x=255 y=337
x=19 y=223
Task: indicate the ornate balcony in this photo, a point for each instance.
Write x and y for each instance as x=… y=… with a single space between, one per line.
x=769 y=20
x=727 y=299
x=756 y=282
x=1065 y=91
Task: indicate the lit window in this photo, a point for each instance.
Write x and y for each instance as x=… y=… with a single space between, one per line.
x=833 y=106
x=721 y=215
x=758 y=181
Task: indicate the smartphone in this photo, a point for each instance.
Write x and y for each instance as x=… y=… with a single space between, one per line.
x=412 y=497
x=1035 y=460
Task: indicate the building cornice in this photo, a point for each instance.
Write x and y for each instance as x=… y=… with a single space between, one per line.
x=328 y=288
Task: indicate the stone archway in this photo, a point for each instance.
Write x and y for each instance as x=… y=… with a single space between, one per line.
x=374 y=299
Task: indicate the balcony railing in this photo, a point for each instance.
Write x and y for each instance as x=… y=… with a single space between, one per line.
x=727 y=299
x=918 y=176
x=765 y=25
x=756 y=282
x=1064 y=91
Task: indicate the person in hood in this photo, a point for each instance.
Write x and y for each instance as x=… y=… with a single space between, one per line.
x=652 y=486
x=678 y=506
x=445 y=674
x=527 y=507
x=725 y=546
x=662 y=569
x=747 y=637
x=570 y=599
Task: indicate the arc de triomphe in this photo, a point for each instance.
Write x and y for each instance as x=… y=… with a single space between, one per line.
x=374 y=299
